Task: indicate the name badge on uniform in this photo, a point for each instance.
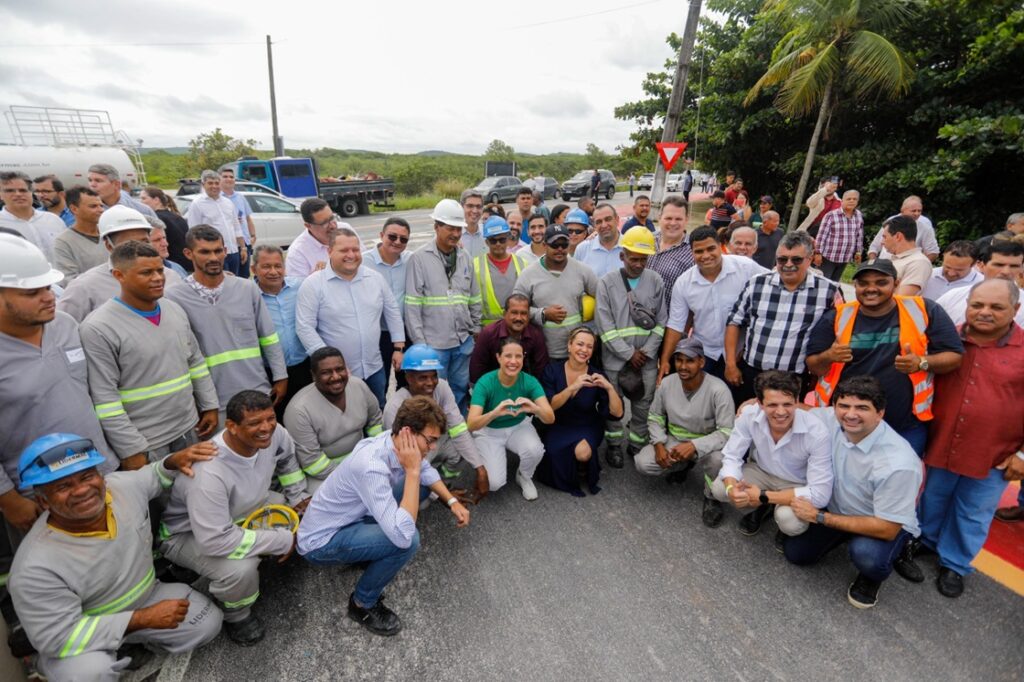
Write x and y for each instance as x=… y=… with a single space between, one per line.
x=75 y=355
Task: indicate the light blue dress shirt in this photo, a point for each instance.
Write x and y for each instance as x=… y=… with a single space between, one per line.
x=599 y=259
x=282 y=312
x=332 y=311
x=393 y=274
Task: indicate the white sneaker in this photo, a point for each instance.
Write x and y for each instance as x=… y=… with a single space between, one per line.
x=529 y=489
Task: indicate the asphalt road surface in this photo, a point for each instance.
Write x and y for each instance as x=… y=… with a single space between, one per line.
x=627 y=584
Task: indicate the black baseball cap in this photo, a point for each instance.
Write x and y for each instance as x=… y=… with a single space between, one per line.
x=882 y=265
x=555 y=232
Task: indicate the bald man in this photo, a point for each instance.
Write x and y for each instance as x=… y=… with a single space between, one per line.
x=926 y=241
x=768 y=238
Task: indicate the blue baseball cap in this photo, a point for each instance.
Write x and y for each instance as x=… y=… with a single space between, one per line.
x=495 y=226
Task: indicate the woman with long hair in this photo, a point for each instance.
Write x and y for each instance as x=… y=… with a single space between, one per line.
x=167 y=211
x=503 y=401
x=583 y=399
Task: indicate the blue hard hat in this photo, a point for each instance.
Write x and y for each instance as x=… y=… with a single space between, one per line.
x=494 y=226
x=577 y=216
x=55 y=456
x=420 y=357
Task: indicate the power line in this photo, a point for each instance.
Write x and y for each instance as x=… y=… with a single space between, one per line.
x=589 y=14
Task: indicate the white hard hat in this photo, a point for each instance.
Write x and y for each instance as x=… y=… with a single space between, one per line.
x=118 y=218
x=449 y=212
x=23 y=265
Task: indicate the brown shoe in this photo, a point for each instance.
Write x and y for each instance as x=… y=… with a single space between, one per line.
x=1010 y=514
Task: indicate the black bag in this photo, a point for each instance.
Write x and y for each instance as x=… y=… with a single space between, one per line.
x=643 y=317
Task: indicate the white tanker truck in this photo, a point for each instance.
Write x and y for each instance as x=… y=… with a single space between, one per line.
x=65 y=142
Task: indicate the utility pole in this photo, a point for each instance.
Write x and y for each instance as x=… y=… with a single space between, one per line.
x=278 y=142
x=675 y=100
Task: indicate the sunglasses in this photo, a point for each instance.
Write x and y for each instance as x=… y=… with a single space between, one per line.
x=559 y=245
x=397 y=238
x=795 y=260
x=497 y=240
x=576 y=231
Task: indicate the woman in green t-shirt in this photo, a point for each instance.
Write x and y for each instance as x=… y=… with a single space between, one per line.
x=502 y=400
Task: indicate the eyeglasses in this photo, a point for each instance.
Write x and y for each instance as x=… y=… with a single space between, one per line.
x=392 y=237
x=430 y=439
x=497 y=240
x=333 y=220
x=576 y=231
x=795 y=260
x=559 y=245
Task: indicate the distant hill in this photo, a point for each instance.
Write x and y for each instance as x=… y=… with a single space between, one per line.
x=170 y=150
x=435 y=152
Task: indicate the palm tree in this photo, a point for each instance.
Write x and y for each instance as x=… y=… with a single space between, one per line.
x=835 y=46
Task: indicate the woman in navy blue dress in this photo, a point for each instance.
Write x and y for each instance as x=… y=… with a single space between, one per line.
x=583 y=399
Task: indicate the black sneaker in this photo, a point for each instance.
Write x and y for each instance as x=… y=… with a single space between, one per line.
x=863 y=592
x=245 y=632
x=780 y=542
x=137 y=654
x=905 y=564
x=378 y=619
x=613 y=455
x=751 y=523
x=712 y=513
x=949 y=582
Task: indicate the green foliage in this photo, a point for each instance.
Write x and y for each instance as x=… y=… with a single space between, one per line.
x=500 y=151
x=211 y=150
x=954 y=138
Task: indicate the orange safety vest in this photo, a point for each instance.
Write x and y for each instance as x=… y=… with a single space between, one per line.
x=913 y=323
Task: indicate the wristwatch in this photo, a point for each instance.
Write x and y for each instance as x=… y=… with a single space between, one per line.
x=451 y=501
x=820 y=518
x=763 y=497
x=923 y=365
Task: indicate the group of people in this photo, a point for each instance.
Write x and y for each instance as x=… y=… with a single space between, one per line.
x=142 y=408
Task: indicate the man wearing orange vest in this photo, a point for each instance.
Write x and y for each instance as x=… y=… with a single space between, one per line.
x=900 y=340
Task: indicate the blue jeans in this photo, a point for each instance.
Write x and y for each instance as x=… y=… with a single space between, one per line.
x=378 y=383
x=956 y=512
x=917 y=436
x=232 y=262
x=243 y=268
x=456 y=371
x=872 y=557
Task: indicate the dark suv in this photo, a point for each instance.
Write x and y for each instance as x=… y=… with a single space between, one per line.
x=579 y=185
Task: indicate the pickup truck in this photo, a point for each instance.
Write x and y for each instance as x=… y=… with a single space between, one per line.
x=297 y=178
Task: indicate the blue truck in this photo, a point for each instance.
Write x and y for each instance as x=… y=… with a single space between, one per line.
x=298 y=178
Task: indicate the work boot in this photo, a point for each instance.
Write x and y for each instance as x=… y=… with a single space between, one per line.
x=245 y=632
x=949 y=582
x=780 y=542
x=1010 y=514
x=679 y=475
x=712 y=514
x=137 y=654
x=613 y=455
x=378 y=619
x=751 y=523
x=863 y=592
x=905 y=564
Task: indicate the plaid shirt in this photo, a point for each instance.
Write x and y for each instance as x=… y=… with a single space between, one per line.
x=670 y=264
x=779 y=321
x=840 y=237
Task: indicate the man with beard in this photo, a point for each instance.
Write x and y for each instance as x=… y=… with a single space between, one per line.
x=50 y=193
x=328 y=418
x=230 y=320
x=149 y=382
x=641 y=214
x=515 y=323
x=535 y=234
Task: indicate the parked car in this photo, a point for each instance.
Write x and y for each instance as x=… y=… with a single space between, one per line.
x=277 y=220
x=546 y=185
x=243 y=186
x=579 y=184
x=499 y=188
x=674 y=182
x=645 y=181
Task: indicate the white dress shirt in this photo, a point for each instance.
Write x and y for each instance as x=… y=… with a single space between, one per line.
x=346 y=314
x=303 y=255
x=219 y=213
x=710 y=302
x=938 y=285
x=803 y=454
x=955 y=304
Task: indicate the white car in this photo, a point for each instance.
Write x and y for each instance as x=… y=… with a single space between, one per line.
x=674 y=183
x=277 y=220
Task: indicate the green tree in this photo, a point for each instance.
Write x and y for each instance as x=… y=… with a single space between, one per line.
x=212 y=150
x=498 y=150
x=833 y=45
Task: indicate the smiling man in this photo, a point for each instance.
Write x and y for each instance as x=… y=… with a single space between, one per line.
x=39 y=227
x=515 y=323
x=602 y=254
x=900 y=340
x=214 y=209
x=280 y=293
x=328 y=418
x=199 y=529
x=148 y=379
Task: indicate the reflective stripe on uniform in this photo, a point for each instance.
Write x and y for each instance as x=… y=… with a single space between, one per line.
x=656 y=418
x=569 y=319
x=322 y=462
x=458 y=430
x=198 y=372
x=630 y=331
x=290 y=479
x=483 y=276
x=269 y=340
x=242 y=603
x=134 y=395
x=108 y=410
x=680 y=432
x=637 y=438
x=127 y=598
x=80 y=635
x=453 y=299
x=374 y=430
x=245 y=546
x=232 y=355
x=165 y=480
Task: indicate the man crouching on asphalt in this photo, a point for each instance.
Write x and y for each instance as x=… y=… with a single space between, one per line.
x=366 y=509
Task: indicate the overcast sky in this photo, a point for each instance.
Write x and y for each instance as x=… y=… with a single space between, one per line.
x=380 y=75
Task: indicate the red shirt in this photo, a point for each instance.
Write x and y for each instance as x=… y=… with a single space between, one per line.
x=979 y=421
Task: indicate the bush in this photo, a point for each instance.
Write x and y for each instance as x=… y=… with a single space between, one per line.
x=449 y=189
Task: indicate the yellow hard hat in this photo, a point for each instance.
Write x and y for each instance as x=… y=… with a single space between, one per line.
x=587 y=305
x=638 y=239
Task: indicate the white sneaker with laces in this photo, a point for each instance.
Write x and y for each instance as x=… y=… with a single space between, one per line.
x=529 y=489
